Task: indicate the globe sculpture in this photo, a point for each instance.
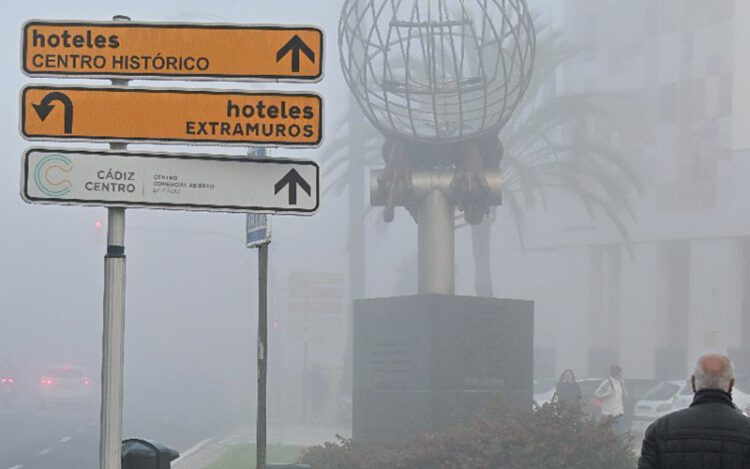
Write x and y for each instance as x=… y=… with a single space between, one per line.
x=437 y=70
x=439 y=79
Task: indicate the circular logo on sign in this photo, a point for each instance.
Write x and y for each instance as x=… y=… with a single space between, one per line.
x=50 y=175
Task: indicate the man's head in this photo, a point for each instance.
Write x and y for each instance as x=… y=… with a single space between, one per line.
x=713 y=371
x=615 y=371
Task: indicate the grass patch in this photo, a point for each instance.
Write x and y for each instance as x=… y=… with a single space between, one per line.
x=243 y=456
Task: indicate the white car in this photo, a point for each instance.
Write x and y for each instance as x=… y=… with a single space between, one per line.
x=740 y=398
x=684 y=398
x=544 y=391
x=658 y=401
x=741 y=394
x=65 y=384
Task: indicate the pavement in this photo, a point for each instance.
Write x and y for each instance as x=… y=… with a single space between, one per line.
x=205 y=452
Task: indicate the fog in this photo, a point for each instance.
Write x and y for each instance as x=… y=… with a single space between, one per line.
x=192 y=289
x=650 y=275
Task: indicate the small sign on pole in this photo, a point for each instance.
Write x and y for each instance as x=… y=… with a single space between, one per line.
x=258 y=230
x=258 y=225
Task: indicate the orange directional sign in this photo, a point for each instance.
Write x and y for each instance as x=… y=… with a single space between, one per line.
x=182 y=51
x=168 y=115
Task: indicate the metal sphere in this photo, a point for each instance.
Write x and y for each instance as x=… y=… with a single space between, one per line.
x=437 y=70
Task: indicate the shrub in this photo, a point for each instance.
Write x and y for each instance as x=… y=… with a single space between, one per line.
x=551 y=437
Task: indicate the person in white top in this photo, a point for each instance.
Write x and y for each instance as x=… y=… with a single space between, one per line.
x=612 y=392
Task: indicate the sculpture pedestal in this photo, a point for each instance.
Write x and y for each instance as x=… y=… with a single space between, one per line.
x=424 y=363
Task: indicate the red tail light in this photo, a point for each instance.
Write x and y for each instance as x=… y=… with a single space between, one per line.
x=46 y=381
x=86 y=382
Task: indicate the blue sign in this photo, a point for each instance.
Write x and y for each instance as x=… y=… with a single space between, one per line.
x=258 y=226
x=258 y=230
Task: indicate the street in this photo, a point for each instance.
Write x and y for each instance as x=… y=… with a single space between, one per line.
x=48 y=438
x=68 y=437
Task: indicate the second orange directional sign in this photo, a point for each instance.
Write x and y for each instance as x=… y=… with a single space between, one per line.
x=168 y=115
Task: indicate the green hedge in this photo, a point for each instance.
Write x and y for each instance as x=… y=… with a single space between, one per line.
x=551 y=437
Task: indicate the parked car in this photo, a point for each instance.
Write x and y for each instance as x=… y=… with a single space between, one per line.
x=636 y=387
x=544 y=390
x=65 y=385
x=741 y=393
x=658 y=401
x=684 y=398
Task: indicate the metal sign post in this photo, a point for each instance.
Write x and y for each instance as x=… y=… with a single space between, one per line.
x=113 y=331
x=260 y=436
x=113 y=342
x=258 y=235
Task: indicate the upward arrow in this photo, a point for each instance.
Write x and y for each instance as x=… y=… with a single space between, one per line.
x=45 y=107
x=292 y=179
x=295 y=46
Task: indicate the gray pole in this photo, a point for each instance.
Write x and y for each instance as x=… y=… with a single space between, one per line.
x=113 y=342
x=435 y=247
x=260 y=434
x=113 y=334
x=435 y=195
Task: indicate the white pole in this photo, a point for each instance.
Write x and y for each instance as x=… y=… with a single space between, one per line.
x=113 y=334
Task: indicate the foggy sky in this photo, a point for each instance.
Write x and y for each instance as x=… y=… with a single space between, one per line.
x=191 y=284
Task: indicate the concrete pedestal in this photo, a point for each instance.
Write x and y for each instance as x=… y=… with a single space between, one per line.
x=426 y=362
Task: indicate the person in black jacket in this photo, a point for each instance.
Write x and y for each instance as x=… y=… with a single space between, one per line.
x=710 y=434
x=567 y=389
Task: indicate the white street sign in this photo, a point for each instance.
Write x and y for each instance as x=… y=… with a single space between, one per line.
x=170 y=181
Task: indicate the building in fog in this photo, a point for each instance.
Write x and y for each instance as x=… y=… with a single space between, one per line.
x=681 y=286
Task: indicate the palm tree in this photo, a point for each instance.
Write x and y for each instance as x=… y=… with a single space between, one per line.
x=548 y=145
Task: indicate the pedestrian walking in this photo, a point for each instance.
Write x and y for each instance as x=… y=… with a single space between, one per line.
x=710 y=434
x=567 y=389
x=612 y=392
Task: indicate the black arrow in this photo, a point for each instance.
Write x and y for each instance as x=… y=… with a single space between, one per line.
x=292 y=179
x=295 y=46
x=44 y=108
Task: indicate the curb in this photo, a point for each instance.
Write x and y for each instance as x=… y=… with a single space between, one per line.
x=199 y=446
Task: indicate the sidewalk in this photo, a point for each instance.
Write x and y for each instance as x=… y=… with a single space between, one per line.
x=208 y=451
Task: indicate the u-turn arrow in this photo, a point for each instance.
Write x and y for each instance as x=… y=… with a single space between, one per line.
x=45 y=107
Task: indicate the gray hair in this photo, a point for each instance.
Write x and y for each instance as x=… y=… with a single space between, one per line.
x=713 y=371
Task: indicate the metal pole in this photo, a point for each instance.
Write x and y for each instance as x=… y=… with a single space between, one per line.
x=113 y=334
x=435 y=233
x=113 y=342
x=260 y=436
